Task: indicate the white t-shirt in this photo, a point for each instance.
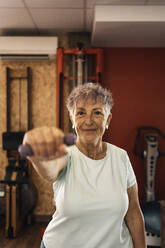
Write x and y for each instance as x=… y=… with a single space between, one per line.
x=91 y=202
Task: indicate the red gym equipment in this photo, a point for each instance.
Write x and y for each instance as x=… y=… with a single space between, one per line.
x=80 y=56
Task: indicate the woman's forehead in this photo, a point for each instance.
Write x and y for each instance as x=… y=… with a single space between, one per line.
x=89 y=102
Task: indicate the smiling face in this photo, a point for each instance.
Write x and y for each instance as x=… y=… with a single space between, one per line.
x=90 y=119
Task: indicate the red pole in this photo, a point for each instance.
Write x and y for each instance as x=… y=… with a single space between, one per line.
x=99 y=66
x=59 y=94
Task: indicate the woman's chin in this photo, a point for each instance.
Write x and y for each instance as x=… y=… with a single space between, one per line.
x=90 y=140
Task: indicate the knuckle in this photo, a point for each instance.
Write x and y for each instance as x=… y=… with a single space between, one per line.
x=27 y=137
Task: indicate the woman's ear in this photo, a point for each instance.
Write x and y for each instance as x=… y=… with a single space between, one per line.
x=109 y=119
x=71 y=118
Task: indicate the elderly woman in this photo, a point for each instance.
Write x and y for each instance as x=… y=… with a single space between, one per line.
x=94 y=185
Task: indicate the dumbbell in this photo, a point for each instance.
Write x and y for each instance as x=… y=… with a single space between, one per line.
x=26 y=150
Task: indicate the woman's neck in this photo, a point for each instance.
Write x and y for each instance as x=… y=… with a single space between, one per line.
x=93 y=151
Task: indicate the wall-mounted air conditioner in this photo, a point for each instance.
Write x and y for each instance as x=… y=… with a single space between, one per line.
x=28 y=47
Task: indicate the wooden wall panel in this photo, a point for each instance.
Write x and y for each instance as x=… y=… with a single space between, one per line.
x=43 y=101
x=3 y=160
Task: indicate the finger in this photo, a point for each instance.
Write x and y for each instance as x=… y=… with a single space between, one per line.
x=62 y=151
x=58 y=137
x=49 y=142
x=36 y=140
x=43 y=142
x=30 y=140
x=54 y=138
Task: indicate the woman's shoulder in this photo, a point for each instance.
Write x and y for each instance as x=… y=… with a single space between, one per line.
x=118 y=154
x=115 y=149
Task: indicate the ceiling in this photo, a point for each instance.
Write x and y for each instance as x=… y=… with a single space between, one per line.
x=54 y=17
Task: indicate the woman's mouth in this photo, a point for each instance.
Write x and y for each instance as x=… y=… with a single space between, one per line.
x=89 y=130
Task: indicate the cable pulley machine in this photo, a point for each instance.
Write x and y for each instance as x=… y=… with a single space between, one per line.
x=20 y=193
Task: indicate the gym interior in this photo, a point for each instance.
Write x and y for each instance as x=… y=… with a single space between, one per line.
x=46 y=49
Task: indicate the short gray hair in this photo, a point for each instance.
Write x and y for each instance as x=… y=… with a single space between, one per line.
x=90 y=90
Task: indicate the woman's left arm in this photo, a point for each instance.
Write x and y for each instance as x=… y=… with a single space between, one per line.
x=134 y=218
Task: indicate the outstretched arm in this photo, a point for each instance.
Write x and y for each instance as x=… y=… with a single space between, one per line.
x=134 y=218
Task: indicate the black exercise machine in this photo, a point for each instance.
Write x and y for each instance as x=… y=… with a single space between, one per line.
x=151 y=208
x=20 y=194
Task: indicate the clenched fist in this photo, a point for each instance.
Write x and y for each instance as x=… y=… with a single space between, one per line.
x=47 y=143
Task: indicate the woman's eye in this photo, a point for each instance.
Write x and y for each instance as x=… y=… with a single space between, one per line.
x=98 y=113
x=80 y=113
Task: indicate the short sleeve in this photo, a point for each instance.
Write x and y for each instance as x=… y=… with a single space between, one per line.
x=131 y=178
x=63 y=172
x=61 y=176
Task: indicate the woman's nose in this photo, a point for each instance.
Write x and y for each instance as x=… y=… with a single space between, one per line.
x=89 y=119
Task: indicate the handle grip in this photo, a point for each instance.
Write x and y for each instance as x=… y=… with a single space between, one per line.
x=26 y=150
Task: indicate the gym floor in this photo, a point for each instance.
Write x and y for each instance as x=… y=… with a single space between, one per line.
x=29 y=237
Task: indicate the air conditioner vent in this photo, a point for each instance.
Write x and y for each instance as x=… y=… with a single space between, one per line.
x=25 y=57
x=31 y=48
